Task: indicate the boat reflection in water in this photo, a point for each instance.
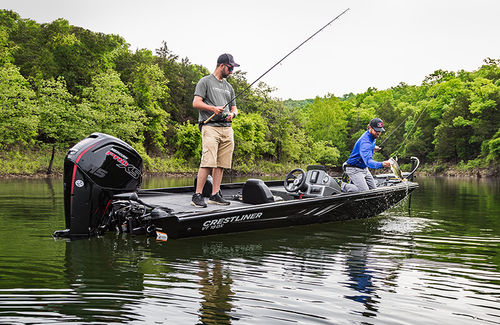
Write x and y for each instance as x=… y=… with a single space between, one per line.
x=236 y=276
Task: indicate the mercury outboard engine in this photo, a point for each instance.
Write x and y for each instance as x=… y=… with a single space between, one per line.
x=95 y=169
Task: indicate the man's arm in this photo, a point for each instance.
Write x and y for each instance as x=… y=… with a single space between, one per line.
x=366 y=153
x=234 y=112
x=198 y=103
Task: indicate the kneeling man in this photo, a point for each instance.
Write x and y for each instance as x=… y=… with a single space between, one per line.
x=361 y=157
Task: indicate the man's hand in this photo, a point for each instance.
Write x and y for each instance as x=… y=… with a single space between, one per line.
x=218 y=109
x=386 y=164
x=377 y=148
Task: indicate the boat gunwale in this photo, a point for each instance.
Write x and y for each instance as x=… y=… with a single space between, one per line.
x=187 y=215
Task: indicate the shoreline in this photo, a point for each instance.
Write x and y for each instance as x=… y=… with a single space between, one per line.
x=426 y=171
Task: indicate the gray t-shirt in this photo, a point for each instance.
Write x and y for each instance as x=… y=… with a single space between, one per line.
x=215 y=92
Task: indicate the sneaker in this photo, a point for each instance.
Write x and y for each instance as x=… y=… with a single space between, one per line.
x=198 y=201
x=217 y=199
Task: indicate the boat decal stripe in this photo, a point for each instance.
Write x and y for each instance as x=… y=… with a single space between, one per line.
x=72 y=188
x=105 y=209
x=327 y=209
x=311 y=211
x=85 y=151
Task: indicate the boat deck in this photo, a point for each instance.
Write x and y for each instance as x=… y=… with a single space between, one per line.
x=180 y=202
x=179 y=199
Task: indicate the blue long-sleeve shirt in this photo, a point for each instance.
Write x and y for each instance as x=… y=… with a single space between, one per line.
x=362 y=153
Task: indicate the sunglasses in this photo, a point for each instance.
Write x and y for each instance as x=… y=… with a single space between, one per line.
x=230 y=68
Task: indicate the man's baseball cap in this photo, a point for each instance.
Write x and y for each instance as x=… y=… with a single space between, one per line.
x=377 y=124
x=227 y=59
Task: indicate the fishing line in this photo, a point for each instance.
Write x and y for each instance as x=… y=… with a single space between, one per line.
x=289 y=53
x=414 y=125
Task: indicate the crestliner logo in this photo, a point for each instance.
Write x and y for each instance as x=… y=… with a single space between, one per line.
x=219 y=223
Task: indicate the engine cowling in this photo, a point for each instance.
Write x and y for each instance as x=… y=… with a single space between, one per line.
x=95 y=169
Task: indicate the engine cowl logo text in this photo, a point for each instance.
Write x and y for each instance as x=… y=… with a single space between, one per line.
x=123 y=163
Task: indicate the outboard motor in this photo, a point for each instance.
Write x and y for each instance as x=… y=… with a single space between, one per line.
x=95 y=169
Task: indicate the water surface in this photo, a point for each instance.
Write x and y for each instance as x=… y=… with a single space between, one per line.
x=439 y=264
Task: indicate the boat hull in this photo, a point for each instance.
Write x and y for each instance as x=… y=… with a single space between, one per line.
x=286 y=213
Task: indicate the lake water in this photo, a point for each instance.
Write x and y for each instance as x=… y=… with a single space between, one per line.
x=439 y=264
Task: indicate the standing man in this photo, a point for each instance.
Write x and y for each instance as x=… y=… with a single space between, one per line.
x=361 y=157
x=214 y=95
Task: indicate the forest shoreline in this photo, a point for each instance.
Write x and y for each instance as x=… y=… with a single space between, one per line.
x=425 y=170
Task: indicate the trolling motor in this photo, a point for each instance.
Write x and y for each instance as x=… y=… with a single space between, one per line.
x=95 y=169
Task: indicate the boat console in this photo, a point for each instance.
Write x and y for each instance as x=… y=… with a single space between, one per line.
x=314 y=182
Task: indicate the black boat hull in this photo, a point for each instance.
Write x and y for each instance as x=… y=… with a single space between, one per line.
x=286 y=213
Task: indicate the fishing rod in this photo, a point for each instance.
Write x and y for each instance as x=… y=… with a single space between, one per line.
x=289 y=53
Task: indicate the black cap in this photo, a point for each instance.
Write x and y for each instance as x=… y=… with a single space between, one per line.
x=227 y=59
x=377 y=124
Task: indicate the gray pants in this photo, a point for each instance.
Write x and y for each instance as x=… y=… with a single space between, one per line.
x=362 y=178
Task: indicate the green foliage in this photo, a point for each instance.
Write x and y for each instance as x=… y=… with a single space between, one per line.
x=188 y=141
x=18 y=110
x=326 y=122
x=5 y=48
x=111 y=108
x=182 y=77
x=290 y=140
x=171 y=164
x=250 y=136
x=31 y=160
x=471 y=165
x=59 y=120
x=298 y=103
x=59 y=49
x=152 y=96
x=324 y=153
x=59 y=83
x=493 y=148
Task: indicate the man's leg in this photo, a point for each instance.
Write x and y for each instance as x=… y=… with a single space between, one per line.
x=197 y=199
x=203 y=173
x=216 y=197
x=348 y=188
x=217 y=179
x=208 y=155
x=357 y=177
x=370 y=181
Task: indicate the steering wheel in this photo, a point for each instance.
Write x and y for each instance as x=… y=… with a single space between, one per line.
x=295 y=180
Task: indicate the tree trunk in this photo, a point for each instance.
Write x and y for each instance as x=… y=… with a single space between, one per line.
x=49 y=170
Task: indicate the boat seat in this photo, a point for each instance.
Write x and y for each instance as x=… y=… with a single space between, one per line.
x=255 y=191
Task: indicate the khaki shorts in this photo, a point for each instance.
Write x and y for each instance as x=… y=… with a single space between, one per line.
x=217 y=146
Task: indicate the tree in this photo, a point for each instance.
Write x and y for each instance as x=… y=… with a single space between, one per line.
x=5 y=47
x=18 y=111
x=187 y=140
x=111 y=108
x=182 y=77
x=152 y=96
x=60 y=122
x=326 y=121
x=250 y=137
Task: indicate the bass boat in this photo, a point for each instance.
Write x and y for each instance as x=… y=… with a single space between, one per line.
x=103 y=174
